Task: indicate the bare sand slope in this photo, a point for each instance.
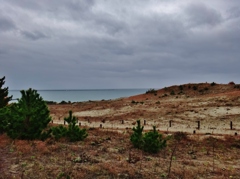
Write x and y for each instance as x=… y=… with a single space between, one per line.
x=214 y=106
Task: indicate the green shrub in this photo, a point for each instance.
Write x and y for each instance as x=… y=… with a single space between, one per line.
x=136 y=137
x=151 y=91
x=28 y=118
x=4 y=99
x=213 y=84
x=153 y=142
x=195 y=88
x=59 y=132
x=172 y=92
x=72 y=132
x=3 y=119
x=180 y=87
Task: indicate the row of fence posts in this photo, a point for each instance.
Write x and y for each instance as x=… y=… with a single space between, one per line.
x=170 y=125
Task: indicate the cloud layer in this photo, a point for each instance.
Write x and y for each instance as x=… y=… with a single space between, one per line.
x=77 y=44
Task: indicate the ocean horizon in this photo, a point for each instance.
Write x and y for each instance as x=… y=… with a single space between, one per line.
x=80 y=95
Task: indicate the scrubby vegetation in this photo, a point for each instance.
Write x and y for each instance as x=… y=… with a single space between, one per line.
x=4 y=99
x=29 y=117
x=151 y=141
x=72 y=132
x=151 y=91
x=107 y=152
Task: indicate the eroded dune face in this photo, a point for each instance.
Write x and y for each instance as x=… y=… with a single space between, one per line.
x=214 y=106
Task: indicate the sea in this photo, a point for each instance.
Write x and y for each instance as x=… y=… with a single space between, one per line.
x=81 y=95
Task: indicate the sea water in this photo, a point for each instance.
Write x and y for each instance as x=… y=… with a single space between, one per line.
x=81 y=95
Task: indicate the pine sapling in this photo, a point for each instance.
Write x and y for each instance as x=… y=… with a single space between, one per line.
x=136 y=137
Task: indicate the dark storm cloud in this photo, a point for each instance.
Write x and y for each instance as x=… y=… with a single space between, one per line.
x=114 y=44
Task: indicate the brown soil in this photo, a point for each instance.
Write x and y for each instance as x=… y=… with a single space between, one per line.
x=212 y=152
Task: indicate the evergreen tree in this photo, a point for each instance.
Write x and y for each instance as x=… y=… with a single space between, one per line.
x=72 y=133
x=4 y=99
x=29 y=117
x=136 y=137
x=59 y=132
x=153 y=141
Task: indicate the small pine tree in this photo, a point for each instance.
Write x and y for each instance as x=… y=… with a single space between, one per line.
x=153 y=141
x=72 y=133
x=136 y=137
x=4 y=99
x=59 y=132
x=29 y=117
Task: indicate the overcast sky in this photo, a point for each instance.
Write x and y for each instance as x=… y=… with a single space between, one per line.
x=87 y=44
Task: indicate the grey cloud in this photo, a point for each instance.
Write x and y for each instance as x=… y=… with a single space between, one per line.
x=36 y=35
x=101 y=44
x=233 y=12
x=200 y=14
x=6 y=24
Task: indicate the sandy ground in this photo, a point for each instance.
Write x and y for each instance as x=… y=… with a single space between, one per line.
x=215 y=109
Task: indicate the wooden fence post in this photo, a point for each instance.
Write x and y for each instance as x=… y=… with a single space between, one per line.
x=198 y=125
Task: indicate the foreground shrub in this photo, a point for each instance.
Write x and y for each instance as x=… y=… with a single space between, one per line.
x=59 y=132
x=151 y=141
x=4 y=99
x=72 y=133
x=28 y=118
x=136 y=137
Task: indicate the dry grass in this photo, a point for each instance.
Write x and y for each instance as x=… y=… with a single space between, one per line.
x=108 y=154
x=213 y=152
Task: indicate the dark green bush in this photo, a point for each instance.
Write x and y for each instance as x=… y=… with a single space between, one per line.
x=4 y=99
x=180 y=87
x=29 y=117
x=151 y=91
x=172 y=92
x=72 y=132
x=136 y=137
x=153 y=142
x=195 y=88
x=59 y=132
x=213 y=84
x=3 y=119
